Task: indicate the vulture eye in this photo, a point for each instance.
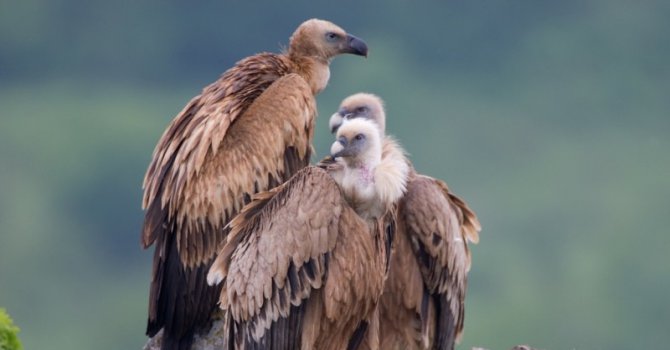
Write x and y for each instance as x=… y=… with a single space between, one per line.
x=359 y=137
x=330 y=36
x=361 y=109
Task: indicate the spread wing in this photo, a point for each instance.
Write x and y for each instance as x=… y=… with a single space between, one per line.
x=438 y=225
x=274 y=265
x=246 y=133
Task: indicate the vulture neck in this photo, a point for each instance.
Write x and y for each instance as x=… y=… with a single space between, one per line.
x=373 y=186
x=359 y=186
x=315 y=71
x=391 y=174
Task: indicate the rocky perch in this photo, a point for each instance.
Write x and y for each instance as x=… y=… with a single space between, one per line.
x=214 y=340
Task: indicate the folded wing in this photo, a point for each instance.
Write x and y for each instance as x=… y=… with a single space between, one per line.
x=248 y=132
x=438 y=225
x=296 y=268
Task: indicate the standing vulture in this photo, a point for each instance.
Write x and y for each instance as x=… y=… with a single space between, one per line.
x=247 y=132
x=304 y=264
x=423 y=302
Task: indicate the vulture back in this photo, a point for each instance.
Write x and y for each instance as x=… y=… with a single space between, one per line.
x=300 y=269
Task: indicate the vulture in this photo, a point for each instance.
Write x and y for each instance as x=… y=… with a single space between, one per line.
x=247 y=132
x=423 y=302
x=304 y=264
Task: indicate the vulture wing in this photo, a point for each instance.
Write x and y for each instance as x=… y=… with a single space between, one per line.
x=247 y=132
x=438 y=225
x=291 y=266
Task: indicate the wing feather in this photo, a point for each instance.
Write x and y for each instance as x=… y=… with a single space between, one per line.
x=298 y=255
x=268 y=144
x=276 y=254
x=249 y=131
x=202 y=125
x=439 y=224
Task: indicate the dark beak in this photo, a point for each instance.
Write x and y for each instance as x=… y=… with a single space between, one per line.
x=345 y=115
x=344 y=151
x=356 y=46
x=335 y=127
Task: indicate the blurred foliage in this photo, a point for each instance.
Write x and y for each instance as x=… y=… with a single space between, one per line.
x=9 y=339
x=552 y=119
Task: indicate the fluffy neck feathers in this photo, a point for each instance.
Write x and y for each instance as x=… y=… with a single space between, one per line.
x=391 y=174
x=373 y=187
x=315 y=71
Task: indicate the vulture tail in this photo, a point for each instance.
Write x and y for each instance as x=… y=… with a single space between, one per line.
x=284 y=334
x=180 y=301
x=358 y=336
x=446 y=325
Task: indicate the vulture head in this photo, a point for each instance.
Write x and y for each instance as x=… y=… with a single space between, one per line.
x=360 y=106
x=358 y=144
x=371 y=183
x=324 y=40
x=364 y=111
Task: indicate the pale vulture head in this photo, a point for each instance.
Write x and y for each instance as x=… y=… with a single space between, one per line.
x=324 y=40
x=366 y=111
x=370 y=183
x=358 y=144
x=360 y=106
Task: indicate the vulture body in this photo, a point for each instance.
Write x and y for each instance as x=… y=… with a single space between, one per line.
x=423 y=302
x=249 y=131
x=304 y=264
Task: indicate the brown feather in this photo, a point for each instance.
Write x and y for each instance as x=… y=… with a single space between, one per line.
x=286 y=262
x=422 y=305
x=203 y=123
x=192 y=188
x=247 y=132
x=428 y=269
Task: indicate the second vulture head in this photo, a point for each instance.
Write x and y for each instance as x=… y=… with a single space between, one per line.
x=359 y=106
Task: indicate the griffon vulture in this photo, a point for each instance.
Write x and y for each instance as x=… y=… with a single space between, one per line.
x=304 y=264
x=423 y=302
x=247 y=132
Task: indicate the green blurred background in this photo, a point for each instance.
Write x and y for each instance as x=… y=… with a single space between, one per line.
x=551 y=118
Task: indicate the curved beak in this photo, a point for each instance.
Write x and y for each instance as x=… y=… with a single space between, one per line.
x=335 y=122
x=337 y=119
x=356 y=46
x=339 y=148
